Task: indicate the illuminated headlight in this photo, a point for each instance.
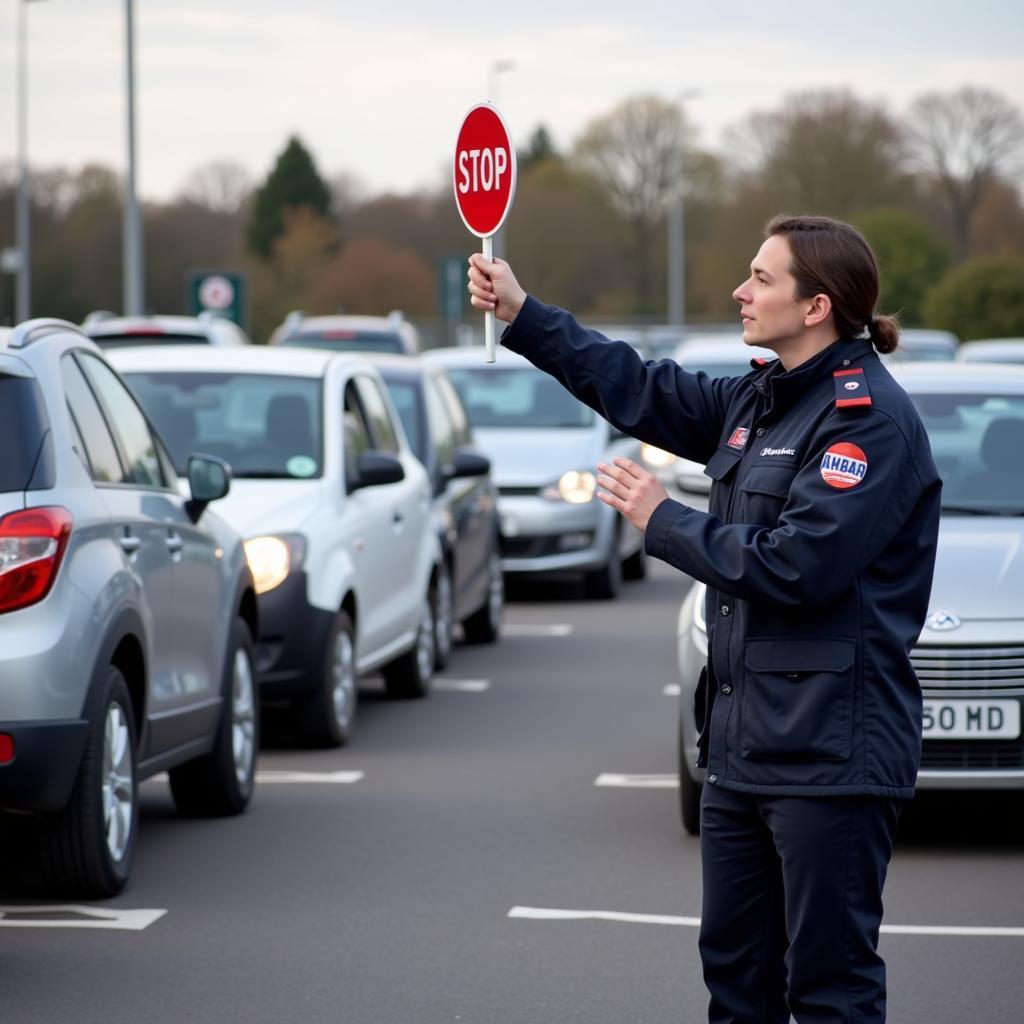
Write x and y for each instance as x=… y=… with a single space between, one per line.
x=656 y=457
x=271 y=559
x=575 y=487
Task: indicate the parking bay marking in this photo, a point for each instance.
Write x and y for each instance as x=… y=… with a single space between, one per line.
x=525 y=629
x=277 y=776
x=75 y=915
x=461 y=685
x=672 y=690
x=553 y=914
x=613 y=780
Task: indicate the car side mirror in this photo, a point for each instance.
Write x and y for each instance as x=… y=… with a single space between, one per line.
x=209 y=478
x=468 y=463
x=374 y=468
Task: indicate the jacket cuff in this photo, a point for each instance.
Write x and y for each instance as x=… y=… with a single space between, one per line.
x=660 y=525
x=530 y=322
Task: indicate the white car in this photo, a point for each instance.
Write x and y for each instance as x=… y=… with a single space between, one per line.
x=111 y=331
x=335 y=506
x=391 y=333
x=992 y=350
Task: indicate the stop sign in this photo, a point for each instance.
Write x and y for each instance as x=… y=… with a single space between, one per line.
x=485 y=170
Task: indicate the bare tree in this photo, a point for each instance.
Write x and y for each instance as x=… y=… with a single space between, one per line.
x=637 y=153
x=966 y=139
x=221 y=186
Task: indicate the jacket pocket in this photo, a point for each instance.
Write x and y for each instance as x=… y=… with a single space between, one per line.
x=797 y=700
x=764 y=490
x=722 y=463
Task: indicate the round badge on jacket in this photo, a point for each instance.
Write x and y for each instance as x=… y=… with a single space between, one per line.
x=844 y=465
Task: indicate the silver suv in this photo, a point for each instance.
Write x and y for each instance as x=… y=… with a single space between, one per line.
x=111 y=331
x=127 y=615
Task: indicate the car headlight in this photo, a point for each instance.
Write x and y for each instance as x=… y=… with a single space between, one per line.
x=271 y=559
x=656 y=457
x=576 y=487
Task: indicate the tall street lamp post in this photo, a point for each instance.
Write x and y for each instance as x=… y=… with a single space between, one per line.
x=677 y=239
x=23 y=216
x=134 y=298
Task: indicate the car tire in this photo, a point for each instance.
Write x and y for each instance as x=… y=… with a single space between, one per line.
x=484 y=625
x=443 y=617
x=221 y=783
x=89 y=846
x=408 y=676
x=326 y=718
x=635 y=566
x=604 y=584
x=689 y=794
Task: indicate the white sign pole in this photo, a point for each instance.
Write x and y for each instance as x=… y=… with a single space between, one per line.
x=489 y=315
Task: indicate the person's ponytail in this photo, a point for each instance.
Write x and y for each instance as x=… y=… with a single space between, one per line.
x=884 y=332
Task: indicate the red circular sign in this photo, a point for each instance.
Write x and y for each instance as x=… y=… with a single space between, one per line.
x=485 y=170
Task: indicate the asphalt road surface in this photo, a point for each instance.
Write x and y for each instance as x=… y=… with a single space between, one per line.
x=409 y=878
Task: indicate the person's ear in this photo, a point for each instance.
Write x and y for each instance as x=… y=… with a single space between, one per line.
x=818 y=311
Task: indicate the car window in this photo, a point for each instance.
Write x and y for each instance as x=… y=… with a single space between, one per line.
x=127 y=423
x=356 y=432
x=440 y=425
x=99 y=452
x=976 y=442
x=266 y=426
x=517 y=397
x=347 y=341
x=456 y=412
x=24 y=434
x=381 y=428
x=405 y=396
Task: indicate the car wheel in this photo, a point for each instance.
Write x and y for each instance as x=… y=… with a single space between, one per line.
x=408 y=676
x=443 y=616
x=484 y=625
x=689 y=794
x=89 y=846
x=221 y=782
x=635 y=567
x=327 y=716
x=604 y=584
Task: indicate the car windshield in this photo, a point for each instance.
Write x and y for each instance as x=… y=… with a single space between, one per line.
x=149 y=338
x=977 y=442
x=264 y=426
x=347 y=341
x=517 y=397
x=407 y=400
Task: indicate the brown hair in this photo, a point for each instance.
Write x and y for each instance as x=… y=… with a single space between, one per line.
x=834 y=258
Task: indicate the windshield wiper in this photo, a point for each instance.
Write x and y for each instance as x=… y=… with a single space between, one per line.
x=979 y=510
x=263 y=474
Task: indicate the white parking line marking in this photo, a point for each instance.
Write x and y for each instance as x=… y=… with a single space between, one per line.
x=551 y=914
x=77 y=916
x=637 y=781
x=672 y=690
x=300 y=778
x=461 y=685
x=524 y=629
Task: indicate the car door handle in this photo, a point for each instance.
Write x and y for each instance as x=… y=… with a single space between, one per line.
x=174 y=543
x=397 y=517
x=129 y=543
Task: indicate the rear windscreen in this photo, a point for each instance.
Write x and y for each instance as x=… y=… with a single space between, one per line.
x=150 y=338
x=26 y=458
x=347 y=341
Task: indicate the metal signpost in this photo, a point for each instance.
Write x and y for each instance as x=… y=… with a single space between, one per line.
x=485 y=182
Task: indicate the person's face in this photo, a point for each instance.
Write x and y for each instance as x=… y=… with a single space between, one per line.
x=771 y=312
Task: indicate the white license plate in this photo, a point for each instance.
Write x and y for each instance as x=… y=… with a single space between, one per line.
x=971 y=719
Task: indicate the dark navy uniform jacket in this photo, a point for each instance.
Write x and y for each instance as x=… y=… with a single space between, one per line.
x=818 y=550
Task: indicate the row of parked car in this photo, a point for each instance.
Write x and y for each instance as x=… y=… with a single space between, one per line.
x=193 y=531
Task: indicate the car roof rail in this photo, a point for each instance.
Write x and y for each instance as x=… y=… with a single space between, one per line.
x=396 y=317
x=97 y=316
x=294 y=318
x=35 y=330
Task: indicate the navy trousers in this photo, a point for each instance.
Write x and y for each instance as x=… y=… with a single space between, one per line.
x=792 y=906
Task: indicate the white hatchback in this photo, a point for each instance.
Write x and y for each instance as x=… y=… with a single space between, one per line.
x=335 y=506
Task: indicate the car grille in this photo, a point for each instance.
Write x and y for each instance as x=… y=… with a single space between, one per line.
x=994 y=668
x=979 y=755
x=518 y=492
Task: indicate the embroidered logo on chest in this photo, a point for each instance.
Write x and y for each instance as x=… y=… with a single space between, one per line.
x=739 y=438
x=844 y=465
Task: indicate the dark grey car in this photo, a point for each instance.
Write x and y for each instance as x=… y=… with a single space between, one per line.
x=127 y=613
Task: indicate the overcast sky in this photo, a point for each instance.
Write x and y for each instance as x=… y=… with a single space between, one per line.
x=378 y=89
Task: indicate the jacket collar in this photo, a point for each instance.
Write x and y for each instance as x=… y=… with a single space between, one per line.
x=786 y=386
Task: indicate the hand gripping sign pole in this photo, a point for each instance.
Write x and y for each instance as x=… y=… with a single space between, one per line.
x=485 y=183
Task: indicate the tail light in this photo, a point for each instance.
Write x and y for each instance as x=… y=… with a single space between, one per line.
x=32 y=544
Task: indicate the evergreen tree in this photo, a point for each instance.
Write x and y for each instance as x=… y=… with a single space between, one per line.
x=294 y=182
